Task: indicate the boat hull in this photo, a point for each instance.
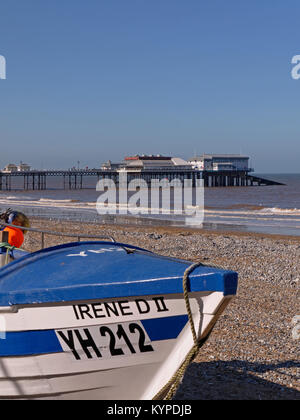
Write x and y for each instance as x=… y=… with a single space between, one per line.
x=110 y=349
x=106 y=321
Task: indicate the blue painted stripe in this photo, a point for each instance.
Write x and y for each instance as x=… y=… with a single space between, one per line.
x=29 y=343
x=165 y=328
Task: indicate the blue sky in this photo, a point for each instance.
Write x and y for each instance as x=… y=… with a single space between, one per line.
x=100 y=79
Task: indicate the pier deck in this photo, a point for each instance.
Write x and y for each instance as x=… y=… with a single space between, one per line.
x=234 y=179
x=37 y=180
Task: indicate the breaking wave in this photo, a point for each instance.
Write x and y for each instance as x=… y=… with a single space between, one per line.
x=278 y=210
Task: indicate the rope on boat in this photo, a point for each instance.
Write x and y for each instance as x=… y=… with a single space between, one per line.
x=171 y=387
x=8 y=248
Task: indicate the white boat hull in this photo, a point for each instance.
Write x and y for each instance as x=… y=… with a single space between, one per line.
x=109 y=349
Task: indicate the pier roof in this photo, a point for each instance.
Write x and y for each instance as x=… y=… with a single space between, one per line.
x=219 y=156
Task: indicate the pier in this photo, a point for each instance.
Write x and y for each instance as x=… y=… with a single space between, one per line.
x=37 y=180
x=234 y=179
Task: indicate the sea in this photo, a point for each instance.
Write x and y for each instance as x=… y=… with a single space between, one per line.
x=265 y=209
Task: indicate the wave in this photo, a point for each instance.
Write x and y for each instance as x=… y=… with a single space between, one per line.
x=49 y=200
x=278 y=210
x=44 y=203
x=13 y=198
x=236 y=210
x=253 y=210
x=237 y=207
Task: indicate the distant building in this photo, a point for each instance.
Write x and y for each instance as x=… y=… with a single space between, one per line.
x=109 y=166
x=23 y=167
x=147 y=162
x=214 y=162
x=11 y=167
x=154 y=162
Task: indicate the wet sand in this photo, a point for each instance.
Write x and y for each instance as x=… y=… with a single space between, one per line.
x=251 y=353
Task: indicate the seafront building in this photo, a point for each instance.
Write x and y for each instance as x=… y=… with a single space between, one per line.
x=214 y=162
x=153 y=167
x=11 y=167
x=148 y=162
x=22 y=167
x=205 y=162
x=214 y=170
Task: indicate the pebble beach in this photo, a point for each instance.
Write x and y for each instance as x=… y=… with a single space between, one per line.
x=253 y=351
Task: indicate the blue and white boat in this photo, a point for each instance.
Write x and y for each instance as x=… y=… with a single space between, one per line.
x=102 y=320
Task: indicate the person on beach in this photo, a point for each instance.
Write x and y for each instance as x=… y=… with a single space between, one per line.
x=15 y=235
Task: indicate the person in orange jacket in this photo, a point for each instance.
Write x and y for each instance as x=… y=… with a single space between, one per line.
x=15 y=235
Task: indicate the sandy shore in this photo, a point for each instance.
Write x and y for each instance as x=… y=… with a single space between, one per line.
x=251 y=353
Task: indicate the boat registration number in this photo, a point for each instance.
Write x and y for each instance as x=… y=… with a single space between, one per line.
x=105 y=341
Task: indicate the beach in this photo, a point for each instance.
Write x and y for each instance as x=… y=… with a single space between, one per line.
x=252 y=352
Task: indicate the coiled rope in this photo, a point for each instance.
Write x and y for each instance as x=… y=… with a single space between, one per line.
x=171 y=387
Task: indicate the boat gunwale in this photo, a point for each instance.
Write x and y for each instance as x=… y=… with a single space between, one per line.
x=55 y=233
x=216 y=280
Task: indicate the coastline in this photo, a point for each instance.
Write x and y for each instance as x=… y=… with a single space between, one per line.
x=251 y=353
x=161 y=228
x=267 y=210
